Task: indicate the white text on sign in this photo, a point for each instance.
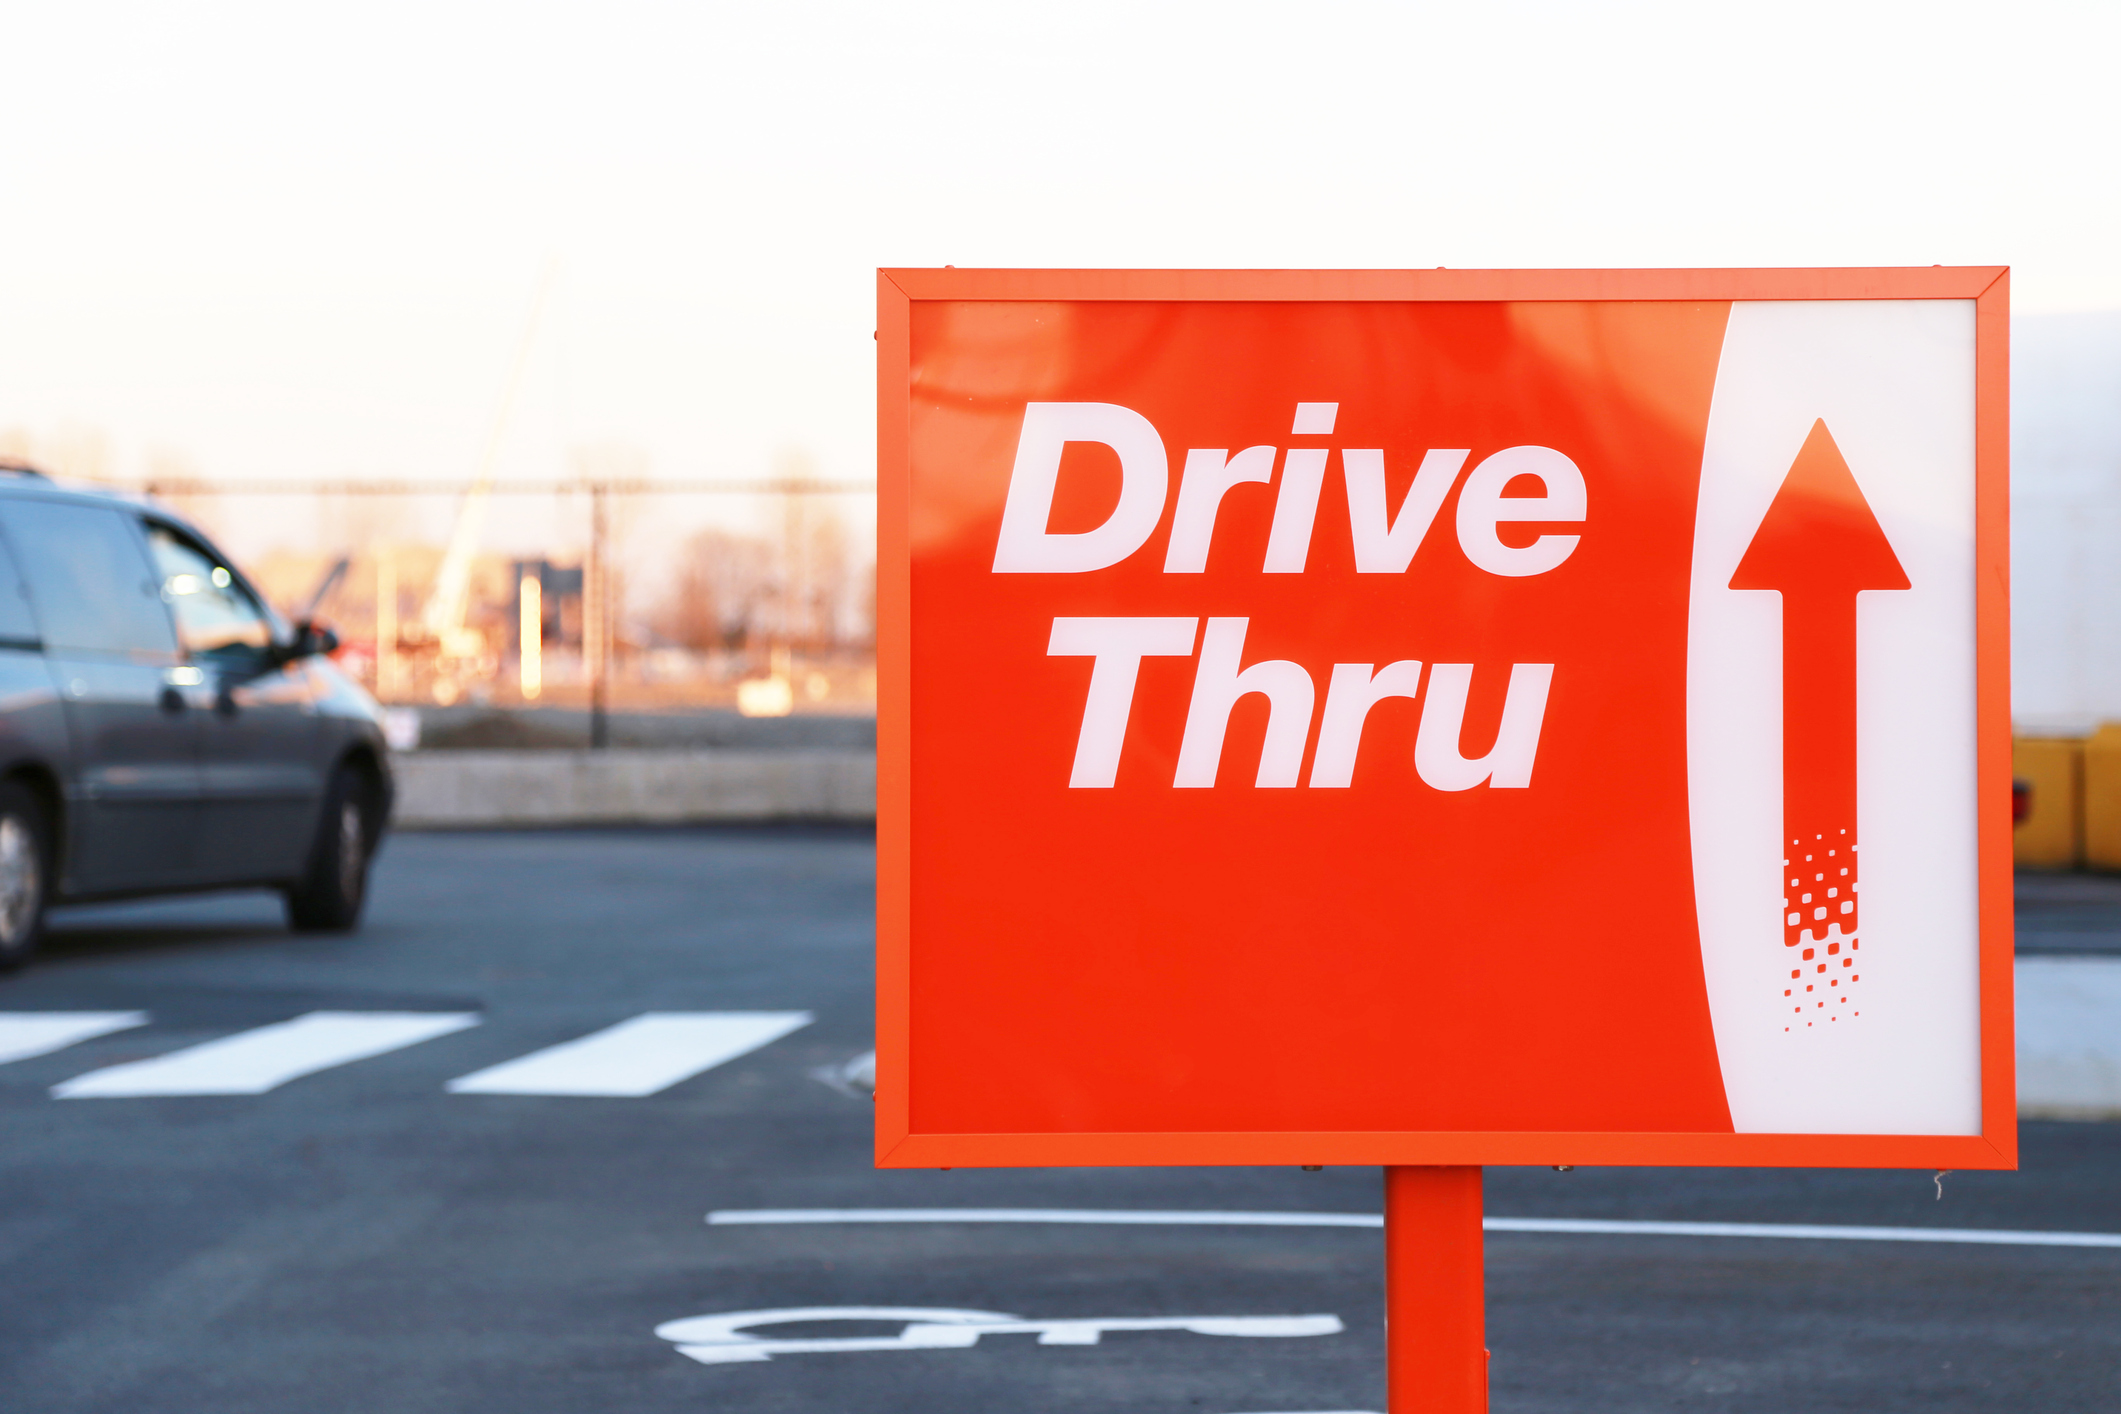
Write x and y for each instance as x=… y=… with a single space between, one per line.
x=1383 y=544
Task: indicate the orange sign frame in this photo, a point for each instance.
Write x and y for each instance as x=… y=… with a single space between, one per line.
x=900 y=1145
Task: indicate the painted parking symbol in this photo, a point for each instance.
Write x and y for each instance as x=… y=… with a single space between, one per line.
x=727 y=1338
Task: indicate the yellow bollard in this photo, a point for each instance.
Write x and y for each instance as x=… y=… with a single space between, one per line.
x=2102 y=798
x=2052 y=835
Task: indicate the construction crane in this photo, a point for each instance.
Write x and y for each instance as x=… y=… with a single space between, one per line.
x=441 y=629
x=324 y=587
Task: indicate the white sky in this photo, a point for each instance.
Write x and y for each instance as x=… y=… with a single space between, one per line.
x=288 y=240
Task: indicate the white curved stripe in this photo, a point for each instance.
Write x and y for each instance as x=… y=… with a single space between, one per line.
x=1808 y=1232
x=1894 y=382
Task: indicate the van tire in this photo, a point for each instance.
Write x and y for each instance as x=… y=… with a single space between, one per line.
x=329 y=898
x=25 y=873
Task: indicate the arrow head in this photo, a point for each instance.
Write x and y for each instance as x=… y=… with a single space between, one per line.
x=1819 y=535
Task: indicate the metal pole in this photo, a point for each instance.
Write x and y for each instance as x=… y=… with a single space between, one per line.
x=1436 y=1359
x=386 y=624
x=596 y=619
x=530 y=633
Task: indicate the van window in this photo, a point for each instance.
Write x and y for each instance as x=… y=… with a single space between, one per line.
x=18 y=626
x=89 y=577
x=216 y=615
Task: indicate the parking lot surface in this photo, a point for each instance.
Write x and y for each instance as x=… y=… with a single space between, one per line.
x=464 y=1160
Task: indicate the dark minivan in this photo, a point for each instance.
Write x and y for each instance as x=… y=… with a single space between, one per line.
x=162 y=729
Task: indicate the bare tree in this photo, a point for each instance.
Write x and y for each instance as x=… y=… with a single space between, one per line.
x=173 y=479
x=73 y=449
x=865 y=606
x=816 y=572
x=722 y=594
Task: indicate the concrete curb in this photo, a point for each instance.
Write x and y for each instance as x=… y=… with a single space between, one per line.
x=2069 y=1037
x=444 y=790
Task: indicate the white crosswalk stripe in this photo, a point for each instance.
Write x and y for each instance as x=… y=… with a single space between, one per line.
x=35 y=1033
x=253 y=1062
x=651 y=1052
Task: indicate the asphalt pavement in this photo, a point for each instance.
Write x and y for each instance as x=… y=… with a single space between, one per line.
x=464 y=1161
x=2077 y=914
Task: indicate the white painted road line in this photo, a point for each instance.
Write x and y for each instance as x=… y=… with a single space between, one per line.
x=652 y=1052
x=738 y=1217
x=253 y=1062
x=35 y=1033
x=1808 y=1232
x=1987 y=1237
x=727 y=1338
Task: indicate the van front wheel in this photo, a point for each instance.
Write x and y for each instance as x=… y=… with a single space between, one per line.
x=329 y=898
x=25 y=873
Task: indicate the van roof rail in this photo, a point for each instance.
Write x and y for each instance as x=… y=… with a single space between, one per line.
x=9 y=466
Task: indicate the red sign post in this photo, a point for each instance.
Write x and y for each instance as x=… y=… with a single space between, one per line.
x=1431 y=719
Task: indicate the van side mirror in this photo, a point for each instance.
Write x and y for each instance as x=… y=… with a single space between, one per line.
x=312 y=640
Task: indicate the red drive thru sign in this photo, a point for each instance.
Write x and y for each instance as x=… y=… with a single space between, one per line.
x=1444 y=718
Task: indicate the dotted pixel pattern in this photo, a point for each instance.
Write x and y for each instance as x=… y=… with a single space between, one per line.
x=1819 y=932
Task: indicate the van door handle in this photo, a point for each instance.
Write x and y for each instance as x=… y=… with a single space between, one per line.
x=172 y=701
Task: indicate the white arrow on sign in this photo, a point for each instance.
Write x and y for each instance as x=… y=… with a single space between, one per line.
x=724 y=1339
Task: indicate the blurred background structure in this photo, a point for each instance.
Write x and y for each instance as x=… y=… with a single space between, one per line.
x=768 y=621
x=449 y=245
x=438 y=623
